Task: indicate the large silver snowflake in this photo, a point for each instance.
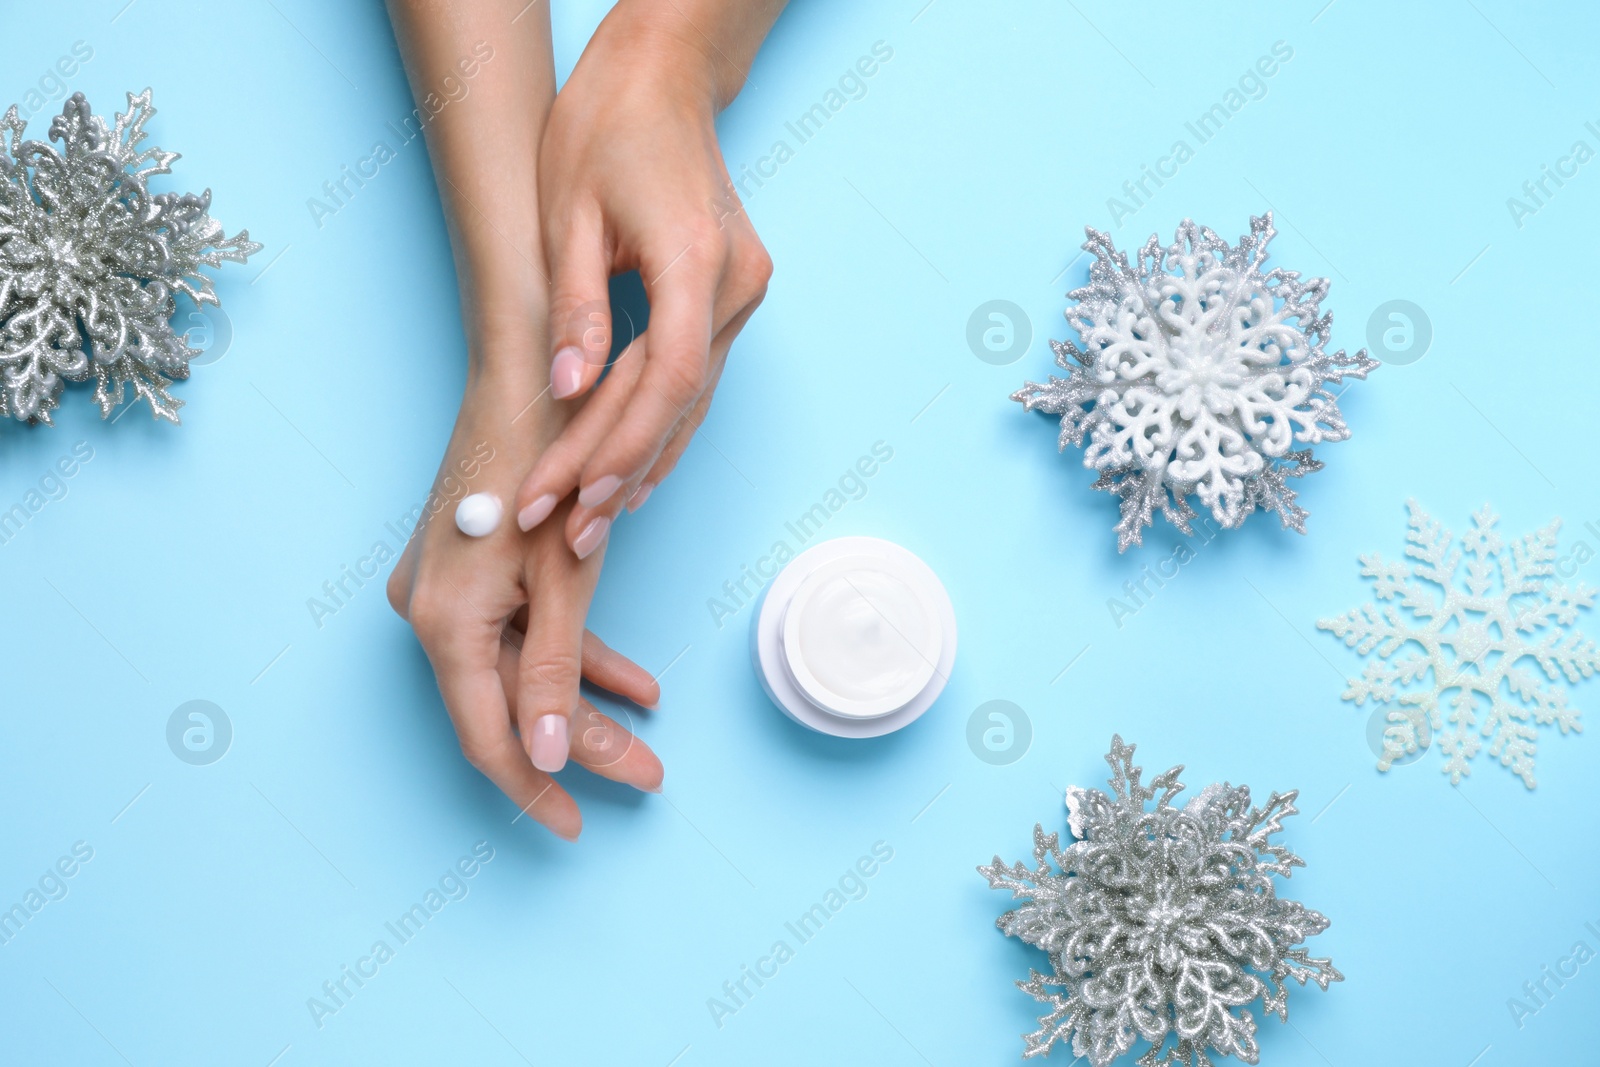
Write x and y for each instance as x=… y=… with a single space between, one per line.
x=91 y=260
x=1161 y=921
x=1457 y=644
x=1197 y=374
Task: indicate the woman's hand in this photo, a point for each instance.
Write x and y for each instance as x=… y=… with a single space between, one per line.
x=501 y=618
x=631 y=177
x=639 y=182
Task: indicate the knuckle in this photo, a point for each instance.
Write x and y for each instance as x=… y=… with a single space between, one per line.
x=398 y=591
x=581 y=320
x=705 y=236
x=752 y=270
x=667 y=462
x=696 y=418
x=566 y=297
x=684 y=378
x=429 y=610
x=478 y=749
x=555 y=670
x=702 y=249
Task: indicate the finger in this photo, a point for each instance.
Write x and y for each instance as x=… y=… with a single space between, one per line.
x=637 y=491
x=606 y=747
x=552 y=660
x=588 y=527
x=510 y=668
x=673 y=378
x=668 y=458
x=580 y=305
x=611 y=670
x=471 y=686
x=602 y=665
x=598 y=742
x=556 y=472
x=583 y=521
x=740 y=286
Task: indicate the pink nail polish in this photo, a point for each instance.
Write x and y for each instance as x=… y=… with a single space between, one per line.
x=598 y=491
x=640 y=495
x=592 y=535
x=566 y=373
x=548 y=748
x=536 y=512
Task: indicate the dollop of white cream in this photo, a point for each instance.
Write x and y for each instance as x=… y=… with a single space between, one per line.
x=479 y=515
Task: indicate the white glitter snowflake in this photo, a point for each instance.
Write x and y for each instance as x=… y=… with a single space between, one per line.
x=1197 y=381
x=1161 y=921
x=1463 y=648
x=90 y=261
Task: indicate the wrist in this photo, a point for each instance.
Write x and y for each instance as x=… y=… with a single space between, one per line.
x=505 y=316
x=663 y=43
x=507 y=387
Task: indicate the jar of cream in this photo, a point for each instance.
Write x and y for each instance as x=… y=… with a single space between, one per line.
x=855 y=637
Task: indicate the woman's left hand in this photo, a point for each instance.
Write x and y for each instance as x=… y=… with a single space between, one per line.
x=501 y=618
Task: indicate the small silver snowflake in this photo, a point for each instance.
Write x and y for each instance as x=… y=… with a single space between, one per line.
x=1197 y=381
x=1469 y=645
x=90 y=262
x=1161 y=921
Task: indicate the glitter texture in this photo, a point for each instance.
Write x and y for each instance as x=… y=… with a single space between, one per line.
x=1468 y=623
x=1197 y=381
x=1161 y=921
x=91 y=260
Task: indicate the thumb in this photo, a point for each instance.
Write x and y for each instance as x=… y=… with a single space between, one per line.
x=580 y=308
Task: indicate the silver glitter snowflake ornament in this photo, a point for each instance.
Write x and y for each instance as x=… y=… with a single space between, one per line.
x=91 y=261
x=1160 y=921
x=1461 y=645
x=1197 y=375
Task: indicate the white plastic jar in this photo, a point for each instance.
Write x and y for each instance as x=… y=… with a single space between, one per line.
x=855 y=637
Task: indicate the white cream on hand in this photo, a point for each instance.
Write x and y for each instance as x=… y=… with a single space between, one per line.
x=479 y=515
x=855 y=637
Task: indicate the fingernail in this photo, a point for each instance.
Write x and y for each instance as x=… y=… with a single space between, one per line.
x=598 y=491
x=566 y=372
x=640 y=495
x=654 y=789
x=536 y=512
x=548 y=749
x=592 y=535
x=564 y=836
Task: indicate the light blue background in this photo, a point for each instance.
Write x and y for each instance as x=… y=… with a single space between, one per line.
x=179 y=564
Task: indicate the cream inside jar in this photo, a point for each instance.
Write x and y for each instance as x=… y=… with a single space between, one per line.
x=855 y=637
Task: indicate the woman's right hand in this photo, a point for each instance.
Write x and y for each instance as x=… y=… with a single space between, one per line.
x=631 y=177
